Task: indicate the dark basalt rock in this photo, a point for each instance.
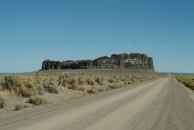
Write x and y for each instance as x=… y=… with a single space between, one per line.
x=116 y=61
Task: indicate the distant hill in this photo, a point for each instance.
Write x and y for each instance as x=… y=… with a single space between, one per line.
x=115 y=61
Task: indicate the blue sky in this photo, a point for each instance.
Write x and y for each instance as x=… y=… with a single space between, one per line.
x=34 y=30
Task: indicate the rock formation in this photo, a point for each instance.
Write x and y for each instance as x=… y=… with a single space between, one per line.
x=116 y=61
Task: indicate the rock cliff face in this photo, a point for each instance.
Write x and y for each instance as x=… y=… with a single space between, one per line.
x=116 y=61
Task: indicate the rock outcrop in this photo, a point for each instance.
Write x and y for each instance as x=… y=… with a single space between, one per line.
x=116 y=61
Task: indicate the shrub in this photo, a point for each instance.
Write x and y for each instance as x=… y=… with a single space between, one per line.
x=190 y=84
x=40 y=90
x=28 y=83
x=187 y=81
x=72 y=83
x=99 y=81
x=129 y=82
x=9 y=82
x=23 y=91
x=80 y=81
x=50 y=86
x=81 y=88
x=20 y=106
x=113 y=86
x=89 y=82
x=36 y=100
x=27 y=92
x=2 y=102
x=1 y=88
x=111 y=80
x=62 y=78
x=21 y=86
x=52 y=89
x=90 y=91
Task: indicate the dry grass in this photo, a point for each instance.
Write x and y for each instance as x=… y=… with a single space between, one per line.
x=187 y=81
x=36 y=100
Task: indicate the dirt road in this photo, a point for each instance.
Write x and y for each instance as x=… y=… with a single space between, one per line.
x=163 y=104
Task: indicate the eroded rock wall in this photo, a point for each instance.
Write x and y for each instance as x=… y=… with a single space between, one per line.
x=115 y=61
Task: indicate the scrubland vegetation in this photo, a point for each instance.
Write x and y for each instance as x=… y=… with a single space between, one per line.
x=188 y=81
x=36 y=86
x=2 y=102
